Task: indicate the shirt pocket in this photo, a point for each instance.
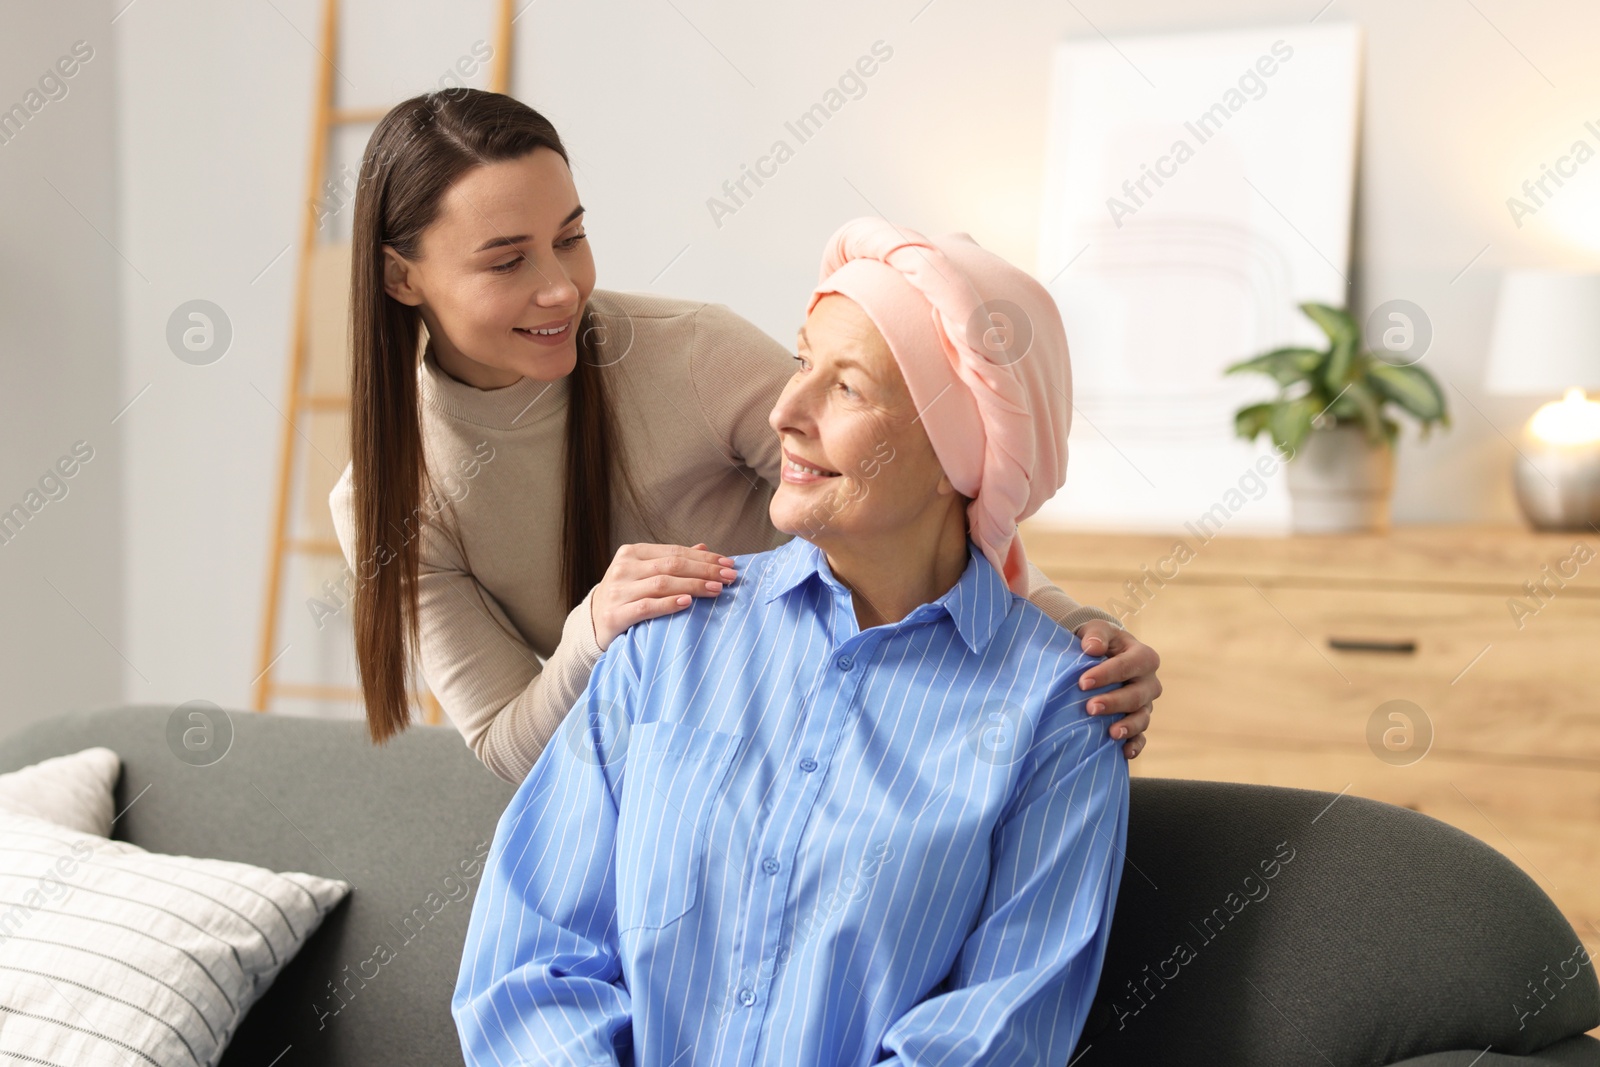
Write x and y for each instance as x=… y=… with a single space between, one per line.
x=674 y=778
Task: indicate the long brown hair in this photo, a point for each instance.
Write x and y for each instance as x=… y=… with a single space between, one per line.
x=418 y=149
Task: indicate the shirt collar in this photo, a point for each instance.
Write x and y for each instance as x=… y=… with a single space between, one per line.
x=977 y=603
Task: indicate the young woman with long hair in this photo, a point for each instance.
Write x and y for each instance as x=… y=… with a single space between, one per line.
x=553 y=466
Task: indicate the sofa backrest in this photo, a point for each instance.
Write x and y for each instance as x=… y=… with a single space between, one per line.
x=1254 y=925
x=1259 y=925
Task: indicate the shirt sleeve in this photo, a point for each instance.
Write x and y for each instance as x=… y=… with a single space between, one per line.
x=1022 y=983
x=490 y=682
x=541 y=976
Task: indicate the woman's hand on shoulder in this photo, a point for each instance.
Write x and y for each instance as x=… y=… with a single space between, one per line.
x=646 y=580
x=1131 y=662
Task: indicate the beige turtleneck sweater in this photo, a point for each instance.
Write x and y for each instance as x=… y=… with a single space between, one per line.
x=692 y=384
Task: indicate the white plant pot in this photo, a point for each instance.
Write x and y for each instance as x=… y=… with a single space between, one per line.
x=1338 y=483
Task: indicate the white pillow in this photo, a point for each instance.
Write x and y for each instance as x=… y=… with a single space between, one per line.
x=73 y=790
x=111 y=954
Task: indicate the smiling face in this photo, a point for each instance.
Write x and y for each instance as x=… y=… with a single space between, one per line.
x=858 y=466
x=506 y=259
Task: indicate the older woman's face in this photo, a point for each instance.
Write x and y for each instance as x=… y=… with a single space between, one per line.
x=857 y=462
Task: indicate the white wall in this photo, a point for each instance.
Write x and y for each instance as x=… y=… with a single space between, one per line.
x=63 y=626
x=659 y=109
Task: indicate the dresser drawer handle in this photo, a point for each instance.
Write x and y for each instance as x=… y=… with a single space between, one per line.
x=1358 y=644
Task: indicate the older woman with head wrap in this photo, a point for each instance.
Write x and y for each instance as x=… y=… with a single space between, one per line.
x=856 y=812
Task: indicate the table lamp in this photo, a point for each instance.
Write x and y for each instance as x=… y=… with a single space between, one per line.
x=1546 y=341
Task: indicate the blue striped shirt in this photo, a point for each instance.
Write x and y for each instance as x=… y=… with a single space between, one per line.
x=766 y=836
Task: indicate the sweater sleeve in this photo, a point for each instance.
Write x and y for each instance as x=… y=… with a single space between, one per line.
x=738 y=370
x=492 y=685
x=1054 y=602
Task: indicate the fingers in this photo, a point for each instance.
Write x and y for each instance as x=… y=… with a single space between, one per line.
x=1132 y=725
x=653 y=607
x=699 y=553
x=717 y=557
x=1134 y=747
x=1130 y=658
x=1129 y=698
x=1095 y=636
x=647 y=580
x=677 y=562
x=658 y=586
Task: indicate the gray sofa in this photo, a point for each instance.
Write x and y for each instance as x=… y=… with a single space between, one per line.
x=1254 y=925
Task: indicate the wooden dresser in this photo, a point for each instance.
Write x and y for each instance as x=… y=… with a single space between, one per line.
x=1278 y=653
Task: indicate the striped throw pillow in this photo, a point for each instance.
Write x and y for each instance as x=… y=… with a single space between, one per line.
x=111 y=954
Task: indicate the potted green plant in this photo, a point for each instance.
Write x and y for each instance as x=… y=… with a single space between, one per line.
x=1331 y=419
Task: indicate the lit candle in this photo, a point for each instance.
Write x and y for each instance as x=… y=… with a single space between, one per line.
x=1572 y=420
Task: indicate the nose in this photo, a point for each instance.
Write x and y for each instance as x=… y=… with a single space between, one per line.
x=555 y=288
x=791 y=415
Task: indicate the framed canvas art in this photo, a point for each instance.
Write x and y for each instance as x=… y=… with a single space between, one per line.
x=1198 y=187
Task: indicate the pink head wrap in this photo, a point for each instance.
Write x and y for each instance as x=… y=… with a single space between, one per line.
x=984 y=354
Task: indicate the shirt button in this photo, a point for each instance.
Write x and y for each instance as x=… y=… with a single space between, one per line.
x=845 y=663
x=769 y=865
x=747 y=997
x=808 y=765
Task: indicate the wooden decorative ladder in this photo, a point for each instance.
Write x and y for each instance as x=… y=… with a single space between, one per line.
x=318 y=406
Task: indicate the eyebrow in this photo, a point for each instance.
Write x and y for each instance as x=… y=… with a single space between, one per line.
x=500 y=242
x=839 y=361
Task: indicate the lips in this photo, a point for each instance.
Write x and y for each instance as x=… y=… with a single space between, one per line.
x=804 y=470
x=552 y=329
x=550 y=335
